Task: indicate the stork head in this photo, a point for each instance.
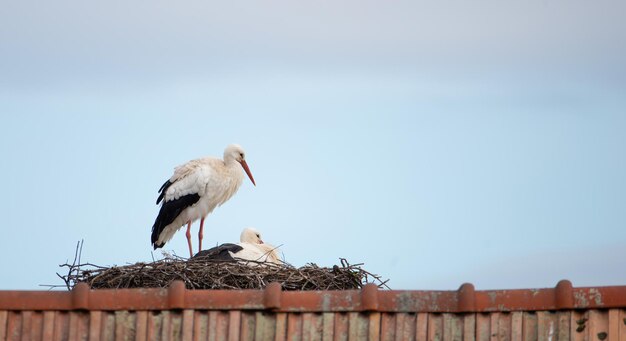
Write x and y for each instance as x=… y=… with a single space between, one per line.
x=236 y=153
x=250 y=235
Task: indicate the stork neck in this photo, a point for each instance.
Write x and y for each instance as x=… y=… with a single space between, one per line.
x=230 y=161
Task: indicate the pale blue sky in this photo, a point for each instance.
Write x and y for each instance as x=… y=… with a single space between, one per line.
x=436 y=142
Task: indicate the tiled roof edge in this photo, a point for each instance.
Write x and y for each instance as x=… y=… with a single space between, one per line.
x=370 y=298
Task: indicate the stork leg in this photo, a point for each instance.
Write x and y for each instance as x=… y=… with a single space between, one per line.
x=200 y=235
x=189 y=238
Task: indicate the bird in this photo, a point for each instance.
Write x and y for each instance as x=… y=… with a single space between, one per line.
x=194 y=190
x=250 y=248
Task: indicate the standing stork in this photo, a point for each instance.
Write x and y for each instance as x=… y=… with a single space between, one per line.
x=195 y=190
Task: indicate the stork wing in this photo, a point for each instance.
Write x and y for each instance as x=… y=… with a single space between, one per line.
x=195 y=172
x=221 y=252
x=178 y=193
x=168 y=213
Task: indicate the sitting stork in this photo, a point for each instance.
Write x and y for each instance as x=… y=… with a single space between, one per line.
x=251 y=248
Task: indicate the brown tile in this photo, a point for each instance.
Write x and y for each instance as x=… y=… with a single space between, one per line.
x=141 y=327
x=48 y=325
x=483 y=327
x=294 y=326
x=435 y=327
x=340 y=331
x=421 y=327
x=452 y=327
x=469 y=327
x=387 y=327
x=561 y=313
x=598 y=324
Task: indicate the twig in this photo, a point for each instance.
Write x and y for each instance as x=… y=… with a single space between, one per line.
x=203 y=273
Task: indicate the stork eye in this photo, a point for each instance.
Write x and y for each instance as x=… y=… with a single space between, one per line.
x=241 y=155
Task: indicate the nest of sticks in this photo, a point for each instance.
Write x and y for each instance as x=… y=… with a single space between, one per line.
x=202 y=273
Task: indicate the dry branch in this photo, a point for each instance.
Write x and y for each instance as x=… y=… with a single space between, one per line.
x=212 y=274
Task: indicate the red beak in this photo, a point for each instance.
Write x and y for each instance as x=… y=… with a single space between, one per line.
x=245 y=167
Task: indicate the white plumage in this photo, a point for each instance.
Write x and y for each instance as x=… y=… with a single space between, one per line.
x=255 y=249
x=250 y=248
x=195 y=189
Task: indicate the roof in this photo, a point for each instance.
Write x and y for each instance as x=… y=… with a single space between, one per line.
x=561 y=313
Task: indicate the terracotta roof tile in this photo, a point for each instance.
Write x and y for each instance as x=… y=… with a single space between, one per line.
x=560 y=313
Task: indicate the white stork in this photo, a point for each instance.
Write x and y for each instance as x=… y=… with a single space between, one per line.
x=195 y=190
x=251 y=248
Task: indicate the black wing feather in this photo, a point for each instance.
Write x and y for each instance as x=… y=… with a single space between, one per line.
x=162 y=191
x=169 y=211
x=220 y=252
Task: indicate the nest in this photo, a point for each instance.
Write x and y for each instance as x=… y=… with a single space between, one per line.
x=202 y=273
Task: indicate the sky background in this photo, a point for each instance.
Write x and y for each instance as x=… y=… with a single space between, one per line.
x=438 y=142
